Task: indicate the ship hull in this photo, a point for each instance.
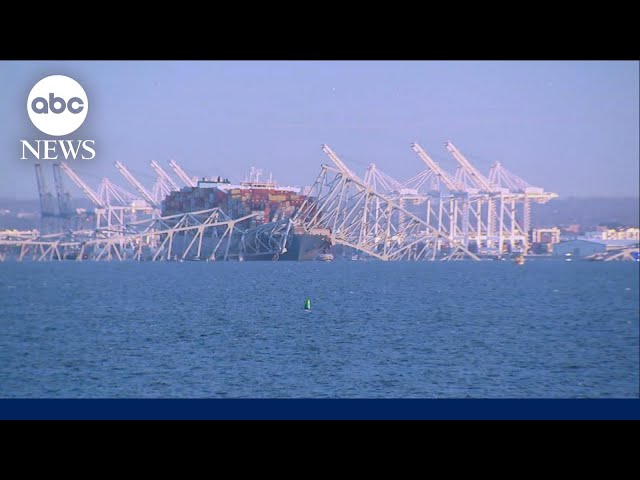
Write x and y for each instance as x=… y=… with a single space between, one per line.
x=302 y=247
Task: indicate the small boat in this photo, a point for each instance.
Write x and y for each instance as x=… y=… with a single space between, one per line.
x=519 y=260
x=325 y=257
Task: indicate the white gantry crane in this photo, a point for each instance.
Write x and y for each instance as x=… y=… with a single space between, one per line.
x=466 y=213
x=164 y=184
x=351 y=213
x=504 y=179
x=47 y=208
x=492 y=211
x=480 y=197
x=440 y=173
x=91 y=195
x=502 y=221
x=160 y=190
x=380 y=181
x=65 y=207
x=164 y=176
x=336 y=160
x=146 y=194
x=449 y=211
x=107 y=215
x=468 y=171
x=114 y=206
x=188 y=181
x=111 y=194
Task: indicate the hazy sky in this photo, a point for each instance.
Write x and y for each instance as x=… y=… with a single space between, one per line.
x=570 y=127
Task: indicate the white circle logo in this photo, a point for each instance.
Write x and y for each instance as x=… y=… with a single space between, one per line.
x=57 y=105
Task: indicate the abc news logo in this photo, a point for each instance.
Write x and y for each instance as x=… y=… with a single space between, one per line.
x=40 y=105
x=58 y=105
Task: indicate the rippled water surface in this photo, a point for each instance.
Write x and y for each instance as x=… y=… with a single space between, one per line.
x=430 y=330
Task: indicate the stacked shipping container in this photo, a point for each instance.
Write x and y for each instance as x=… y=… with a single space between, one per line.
x=271 y=204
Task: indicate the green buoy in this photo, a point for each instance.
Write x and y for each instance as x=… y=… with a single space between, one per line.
x=307 y=304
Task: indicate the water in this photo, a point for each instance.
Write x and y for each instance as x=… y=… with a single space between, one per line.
x=547 y=329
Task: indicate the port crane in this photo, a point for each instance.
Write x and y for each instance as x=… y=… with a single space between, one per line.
x=464 y=210
x=146 y=195
x=380 y=181
x=336 y=160
x=188 y=181
x=91 y=195
x=164 y=176
x=441 y=174
x=47 y=208
x=111 y=194
x=467 y=173
x=65 y=208
x=107 y=214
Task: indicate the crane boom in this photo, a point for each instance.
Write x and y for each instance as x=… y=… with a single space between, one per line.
x=161 y=173
x=374 y=176
x=500 y=176
x=136 y=184
x=108 y=192
x=64 y=199
x=442 y=175
x=339 y=163
x=477 y=177
x=46 y=199
x=182 y=174
x=81 y=185
x=160 y=190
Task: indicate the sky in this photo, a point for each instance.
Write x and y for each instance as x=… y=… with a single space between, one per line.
x=571 y=127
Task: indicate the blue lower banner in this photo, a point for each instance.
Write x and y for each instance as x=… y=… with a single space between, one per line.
x=317 y=409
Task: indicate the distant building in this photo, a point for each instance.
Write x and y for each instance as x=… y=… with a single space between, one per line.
x=631 y=233
x=546 y=235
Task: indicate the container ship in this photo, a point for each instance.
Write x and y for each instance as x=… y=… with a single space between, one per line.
x=301 y=246
x=268 y=200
